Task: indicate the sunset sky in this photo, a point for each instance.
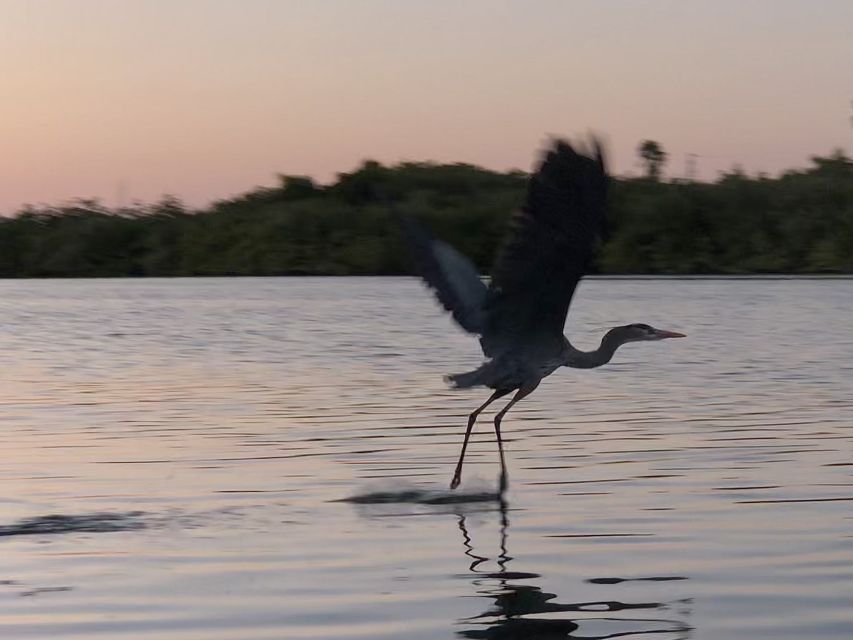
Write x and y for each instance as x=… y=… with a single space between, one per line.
x=130 y=99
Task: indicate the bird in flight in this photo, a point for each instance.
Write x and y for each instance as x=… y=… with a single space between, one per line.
x=519 y=316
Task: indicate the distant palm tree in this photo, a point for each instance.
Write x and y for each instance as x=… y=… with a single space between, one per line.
x=653 y=157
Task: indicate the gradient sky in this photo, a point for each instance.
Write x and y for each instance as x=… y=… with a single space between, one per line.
x=130 y=99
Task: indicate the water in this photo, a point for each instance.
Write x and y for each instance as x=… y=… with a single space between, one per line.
x=268 y=458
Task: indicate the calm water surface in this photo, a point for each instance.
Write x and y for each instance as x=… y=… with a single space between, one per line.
x=177 y=457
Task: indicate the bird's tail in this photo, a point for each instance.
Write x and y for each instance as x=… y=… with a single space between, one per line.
x=462 y=380
x=486 y=374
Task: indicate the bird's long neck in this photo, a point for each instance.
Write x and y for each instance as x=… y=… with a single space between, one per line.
x=590 y=359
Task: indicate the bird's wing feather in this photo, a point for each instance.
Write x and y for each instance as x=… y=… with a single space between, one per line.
x=451 y=275
x=547 y=251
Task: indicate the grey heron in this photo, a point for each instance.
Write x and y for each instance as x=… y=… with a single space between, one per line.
x=519 y=316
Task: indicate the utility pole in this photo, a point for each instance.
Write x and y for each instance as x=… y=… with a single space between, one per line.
x=690 y=164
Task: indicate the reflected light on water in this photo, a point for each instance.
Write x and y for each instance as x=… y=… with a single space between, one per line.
x=268 y=458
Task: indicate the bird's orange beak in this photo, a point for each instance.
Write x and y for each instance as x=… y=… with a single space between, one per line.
x=669 y=334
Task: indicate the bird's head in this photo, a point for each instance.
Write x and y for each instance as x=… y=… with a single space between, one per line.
x=639 y=333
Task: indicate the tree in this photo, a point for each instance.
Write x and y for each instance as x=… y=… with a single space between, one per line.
x=799 y=222
x=653 y=157
x=297 y=187
x=366 y=184
x=836 y=164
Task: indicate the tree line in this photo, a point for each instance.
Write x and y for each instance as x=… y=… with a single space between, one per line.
x=798 y=222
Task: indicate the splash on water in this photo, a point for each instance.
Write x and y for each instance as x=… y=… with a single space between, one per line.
x=89 y=523
x=422 y=496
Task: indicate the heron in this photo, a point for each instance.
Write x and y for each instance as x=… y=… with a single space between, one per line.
x=520 y=315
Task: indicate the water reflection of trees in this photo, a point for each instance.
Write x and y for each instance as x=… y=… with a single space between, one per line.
x=512 y=603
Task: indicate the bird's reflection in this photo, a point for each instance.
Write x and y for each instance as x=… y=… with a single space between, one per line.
x=513 y=604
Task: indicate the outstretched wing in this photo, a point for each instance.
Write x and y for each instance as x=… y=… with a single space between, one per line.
x=451 y=275
x=547 y=251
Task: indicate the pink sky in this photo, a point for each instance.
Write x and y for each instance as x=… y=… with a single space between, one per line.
x=207 y=98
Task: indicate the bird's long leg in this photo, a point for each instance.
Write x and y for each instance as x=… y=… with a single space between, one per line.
x=521 y=393
x=457 y=476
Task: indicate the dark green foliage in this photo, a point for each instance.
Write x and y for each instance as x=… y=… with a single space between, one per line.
x=801 y=222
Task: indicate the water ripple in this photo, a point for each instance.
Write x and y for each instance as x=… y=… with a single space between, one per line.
x=275 y=455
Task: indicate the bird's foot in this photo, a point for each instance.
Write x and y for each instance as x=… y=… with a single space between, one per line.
x=456 y=480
